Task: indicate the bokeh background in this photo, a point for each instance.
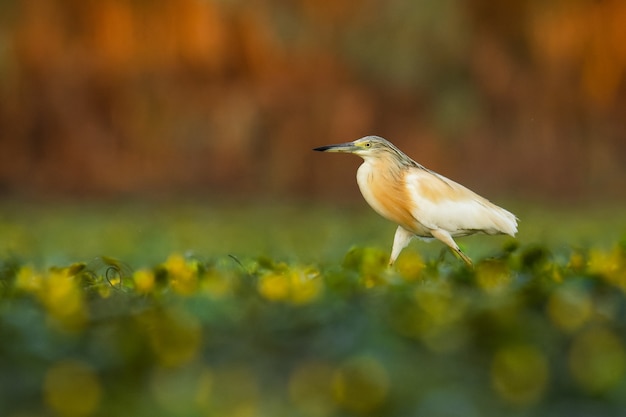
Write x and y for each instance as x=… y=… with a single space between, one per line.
x=110 y=98
x=171 y=246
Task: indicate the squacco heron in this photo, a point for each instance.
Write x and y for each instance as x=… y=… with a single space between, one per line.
x=421 y=202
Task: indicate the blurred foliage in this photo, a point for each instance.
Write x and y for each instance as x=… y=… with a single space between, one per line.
x=122 y=96
x=536 y=328
x=255 y=337
x=146 y=232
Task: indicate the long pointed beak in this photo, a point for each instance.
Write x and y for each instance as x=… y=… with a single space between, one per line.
x=347 y=147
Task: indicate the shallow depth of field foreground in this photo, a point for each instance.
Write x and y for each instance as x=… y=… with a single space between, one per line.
x=193 y=310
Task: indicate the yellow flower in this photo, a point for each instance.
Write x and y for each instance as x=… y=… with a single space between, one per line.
x=410 y=267
x=144 y=281
x=296 y=286
x=305 y=286
x=64 y=299
x=274 y=286
x=183 y=275
x=611 y=266
x=28 y=280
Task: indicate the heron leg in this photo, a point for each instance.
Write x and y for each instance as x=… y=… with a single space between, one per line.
x=445 y=237
x=400 y=241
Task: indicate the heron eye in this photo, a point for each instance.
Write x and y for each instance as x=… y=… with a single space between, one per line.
x=368 y=145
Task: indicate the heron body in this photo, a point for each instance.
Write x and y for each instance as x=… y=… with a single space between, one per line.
x=421 y=202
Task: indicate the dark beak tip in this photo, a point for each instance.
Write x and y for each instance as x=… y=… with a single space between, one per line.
x=321 y=148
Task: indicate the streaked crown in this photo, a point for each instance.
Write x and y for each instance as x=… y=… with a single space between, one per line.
x=377 y=146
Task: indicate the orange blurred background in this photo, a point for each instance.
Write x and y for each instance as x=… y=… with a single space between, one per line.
x=525 y=98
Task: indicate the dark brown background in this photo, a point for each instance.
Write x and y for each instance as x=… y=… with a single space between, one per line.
x=205 y=97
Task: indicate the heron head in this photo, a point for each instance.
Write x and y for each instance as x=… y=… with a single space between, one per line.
x=364 y=147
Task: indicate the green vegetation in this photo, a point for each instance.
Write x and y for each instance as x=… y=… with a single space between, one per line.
x=291 y=311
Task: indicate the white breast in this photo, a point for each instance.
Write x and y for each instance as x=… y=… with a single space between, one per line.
x=364 y=176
